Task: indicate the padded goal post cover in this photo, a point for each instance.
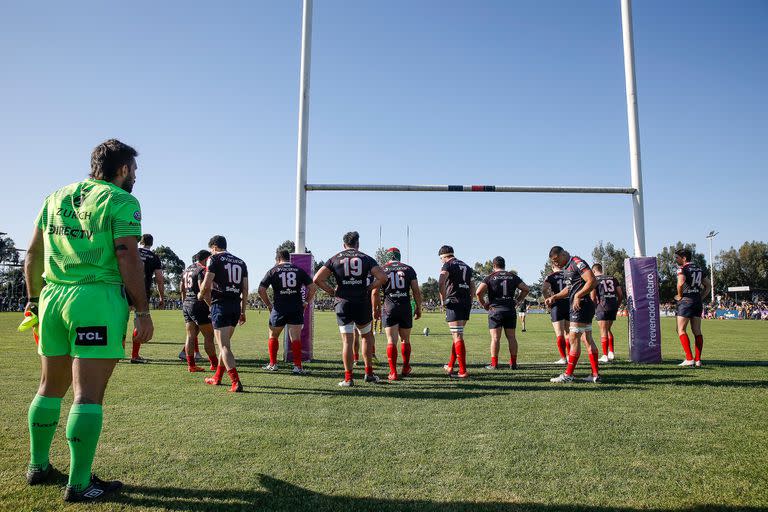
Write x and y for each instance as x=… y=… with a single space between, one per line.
x=305 y=262
x=643 y=307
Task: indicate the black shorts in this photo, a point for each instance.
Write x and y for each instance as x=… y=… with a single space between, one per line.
x=225 y=314
x=281 y=319
x=401 y=316
x=456 y=311
x=506 y=319
x=560 y=311
x=353 y=312
x=196 y=312
x=689 y=307
x=606 y=314
x=585 y=314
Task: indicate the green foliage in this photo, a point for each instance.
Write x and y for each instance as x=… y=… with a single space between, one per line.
x=745 y=266
x=482 y=270
x=430 y=290
x=381 y=256
x=668 y=269
x=8 y=251
x=289 y=245
x=173 y=266
x=611 y=258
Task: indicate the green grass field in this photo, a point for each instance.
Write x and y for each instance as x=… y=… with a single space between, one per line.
x=651 y=437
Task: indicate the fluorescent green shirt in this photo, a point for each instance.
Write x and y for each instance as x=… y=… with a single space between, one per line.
x=79 y=224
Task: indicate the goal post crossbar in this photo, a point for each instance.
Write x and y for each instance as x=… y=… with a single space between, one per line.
x=338 y=187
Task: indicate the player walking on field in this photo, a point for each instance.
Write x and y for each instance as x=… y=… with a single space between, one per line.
x=692 y=286
x=225 y=290
x=153 y=268
x=85 y=246
x=197 y=314
x=352 y=301
x=607 y=295
x=559 y=313
x=579 y=282
x=501 y=287
x=456 y=290
x=397 y=316
x=287 y=281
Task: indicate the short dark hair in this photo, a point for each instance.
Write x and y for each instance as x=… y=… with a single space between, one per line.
x=219 y=241
x=201 y=255
x=556 y=251
x=147 y=239
x=351 y=239
x=446 y=249
x=499 y=262
x=108 y=157
x=597 y=267
x=283 y=255
x=684 y=253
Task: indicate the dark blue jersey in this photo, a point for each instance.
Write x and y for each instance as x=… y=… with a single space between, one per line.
x=287 y=281
x=572 y=274
x=151 y=263
x=193 y=276
x=694 y=278
x=229 y=272
x=502 y=286
x=457 y=282
x=351 y=268
x=607 y=293
x=397 y=289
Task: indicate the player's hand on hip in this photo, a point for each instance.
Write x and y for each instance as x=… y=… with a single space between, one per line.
x=577 y=305
x=144 y=329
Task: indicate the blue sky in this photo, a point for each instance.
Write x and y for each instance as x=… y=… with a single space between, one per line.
x=456 y=92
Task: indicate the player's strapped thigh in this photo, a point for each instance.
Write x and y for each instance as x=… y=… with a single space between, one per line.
x=86 y=321
x=579 y=329
x=457 y=330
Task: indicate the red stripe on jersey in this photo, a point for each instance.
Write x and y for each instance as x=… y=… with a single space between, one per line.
x=478 y=188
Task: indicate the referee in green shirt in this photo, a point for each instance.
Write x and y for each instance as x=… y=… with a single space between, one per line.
x=85 y=247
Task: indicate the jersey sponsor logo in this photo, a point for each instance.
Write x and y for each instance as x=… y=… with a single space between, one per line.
x=137 y=215
x=72 y=214
x=70 y=232
x=94 y=336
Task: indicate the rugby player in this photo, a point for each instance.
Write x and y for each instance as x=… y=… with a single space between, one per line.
x=225 y=290
x=607 y=295
x=197 y=315
x=85 y=247
x=456 y=290
x=398 y=316
x=579 y=282
x=523 y=312
x=559 y=314
x=153 y=267
x=501 y=287
x=692 y=286
x=352 y=302
x=287 y=281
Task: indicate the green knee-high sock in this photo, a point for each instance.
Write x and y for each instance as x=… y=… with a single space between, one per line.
x=83 y=430
x=44 y=412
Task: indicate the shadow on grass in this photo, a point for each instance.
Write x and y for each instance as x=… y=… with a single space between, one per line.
x=280 y=495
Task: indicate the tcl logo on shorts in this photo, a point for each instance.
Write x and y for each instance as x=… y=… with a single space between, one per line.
x=91 y=336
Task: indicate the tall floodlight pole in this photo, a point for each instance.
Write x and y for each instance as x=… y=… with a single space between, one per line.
x=301 y=159
x=634 y=128
x=711 y=236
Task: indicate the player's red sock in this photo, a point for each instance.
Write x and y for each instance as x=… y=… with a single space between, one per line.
x=347 y=376
x=561 y=346
x=191 y=360
x=219 y=372
x=686 y=346
x=610 y=342
x=405 y=349
x=214 y=362
x=593 y=363
x=392 y=357
x=512 y=360
x=572 y=360
x=272 y=345
x=135 y=349
x=296 y=350
x=197 y=346
x=604 y=343
x=233 y=375
x=452 y=360
x=369 y=370
x=494 y=361
x=699 y=346
x=461 y=355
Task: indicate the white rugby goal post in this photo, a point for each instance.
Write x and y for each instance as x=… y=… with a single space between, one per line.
x=635 y=190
